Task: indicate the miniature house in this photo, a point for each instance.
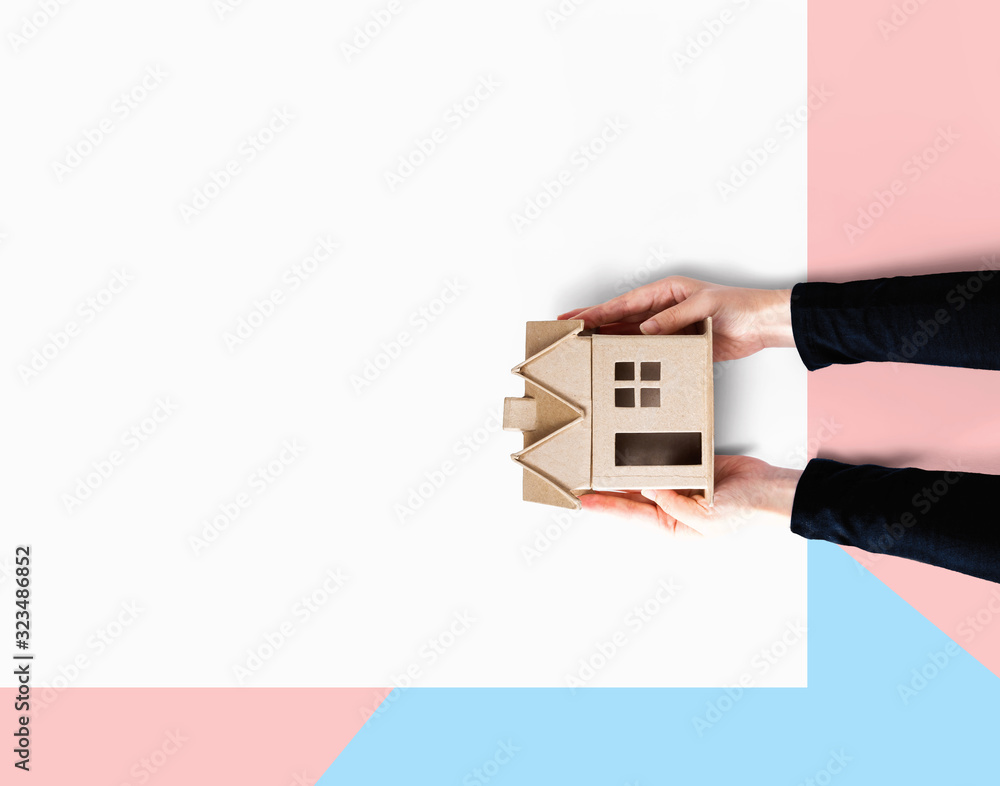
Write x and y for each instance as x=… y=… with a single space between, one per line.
x=610 y=412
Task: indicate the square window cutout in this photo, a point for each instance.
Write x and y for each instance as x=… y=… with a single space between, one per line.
x=649 y=397
x=625 y=397
x=625 y=371
x=650 y=371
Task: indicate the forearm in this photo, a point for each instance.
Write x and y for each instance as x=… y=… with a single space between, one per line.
x=943 y=319
x=940 y=518
x=774 y=314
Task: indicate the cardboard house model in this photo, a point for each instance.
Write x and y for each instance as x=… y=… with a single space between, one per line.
x=609 y=412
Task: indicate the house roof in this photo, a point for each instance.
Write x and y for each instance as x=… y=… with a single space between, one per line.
x=556 y=458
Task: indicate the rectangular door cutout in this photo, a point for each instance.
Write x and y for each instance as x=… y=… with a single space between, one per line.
x=658 y=449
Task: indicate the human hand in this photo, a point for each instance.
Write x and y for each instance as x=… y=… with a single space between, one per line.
x=744 y=321
x=747 y=491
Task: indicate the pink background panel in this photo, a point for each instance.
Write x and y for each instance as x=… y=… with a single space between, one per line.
x=175 y=736
x=893 y=92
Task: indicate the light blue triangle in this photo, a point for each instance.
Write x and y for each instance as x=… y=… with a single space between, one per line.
x=850 y=726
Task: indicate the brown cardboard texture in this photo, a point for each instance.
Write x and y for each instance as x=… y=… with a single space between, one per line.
x=613 y=413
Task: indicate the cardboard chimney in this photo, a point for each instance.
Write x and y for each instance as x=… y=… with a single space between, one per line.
x=609 y=413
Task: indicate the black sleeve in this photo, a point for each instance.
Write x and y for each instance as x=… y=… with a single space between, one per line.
x=943 y=319
x=948 y=519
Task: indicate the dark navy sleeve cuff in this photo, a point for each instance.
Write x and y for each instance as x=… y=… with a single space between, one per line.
x=939 y=319
x=944 y=518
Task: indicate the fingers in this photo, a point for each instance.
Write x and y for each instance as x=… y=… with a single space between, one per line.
x=625 y=506
x=576 y=312
x=620 y=329
x=690 y=511
x=618 y=309
x=639 y=304
x=647 y=299
x=680 y=316
x=635 y=508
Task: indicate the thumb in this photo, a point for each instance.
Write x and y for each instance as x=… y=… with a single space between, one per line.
x=678 y=317
x=681 y=507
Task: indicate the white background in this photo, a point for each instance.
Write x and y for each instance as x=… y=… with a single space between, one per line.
x=336 y=506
